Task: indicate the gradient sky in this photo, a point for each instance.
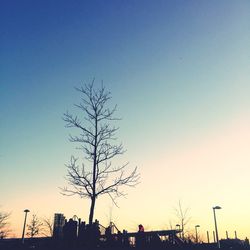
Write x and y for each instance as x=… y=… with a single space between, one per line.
x=179 y=72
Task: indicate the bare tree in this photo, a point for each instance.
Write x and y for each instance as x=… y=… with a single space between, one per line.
x=170 y=225
x=191 y=235
x=4 y=230
x=47 y=229
x=34 y=227
x=97 y=176
x=183 y=217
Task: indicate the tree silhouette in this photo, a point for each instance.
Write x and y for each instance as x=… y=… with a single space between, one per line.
x=96 y=176
x=34 y=227
x=47 y=229
x=183 y=217
x=4 y=230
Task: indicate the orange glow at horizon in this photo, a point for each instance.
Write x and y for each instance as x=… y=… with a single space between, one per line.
x=213 y=170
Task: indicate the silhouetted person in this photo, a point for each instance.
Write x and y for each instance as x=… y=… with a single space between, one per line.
x=140 y=237
x=141 y=228
x=125 y=239
x=246 y=242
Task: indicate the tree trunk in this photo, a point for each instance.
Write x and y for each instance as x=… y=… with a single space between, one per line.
x=92 y=208
x=182 y=225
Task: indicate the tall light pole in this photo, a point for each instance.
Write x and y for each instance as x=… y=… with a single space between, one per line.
x=196 y=233
x=24 y=224
x=215 y=224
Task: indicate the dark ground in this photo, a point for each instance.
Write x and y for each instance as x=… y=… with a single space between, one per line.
x=49 y=244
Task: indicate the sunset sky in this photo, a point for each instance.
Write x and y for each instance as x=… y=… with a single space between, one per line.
x=179 y=72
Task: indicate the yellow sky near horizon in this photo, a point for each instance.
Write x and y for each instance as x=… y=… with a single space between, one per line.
x=204 y=172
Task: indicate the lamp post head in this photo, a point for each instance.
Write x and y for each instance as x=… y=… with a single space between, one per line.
x=177 y=225
x=26 y=210
x=197 y=225
x=217 y=207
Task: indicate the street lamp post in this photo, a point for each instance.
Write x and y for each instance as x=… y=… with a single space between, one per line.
x=196 y=233
x=24 y=224
x=215 y=224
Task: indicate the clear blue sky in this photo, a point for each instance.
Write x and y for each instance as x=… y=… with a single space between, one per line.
x=178 y=70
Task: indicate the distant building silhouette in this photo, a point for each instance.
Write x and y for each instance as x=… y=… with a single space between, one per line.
x=59 y=222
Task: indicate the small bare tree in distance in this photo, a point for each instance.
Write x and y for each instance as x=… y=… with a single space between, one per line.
x=34 y=227
x=96 y=176
x=183 y=217
x=47 y=227
x=4 y=230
